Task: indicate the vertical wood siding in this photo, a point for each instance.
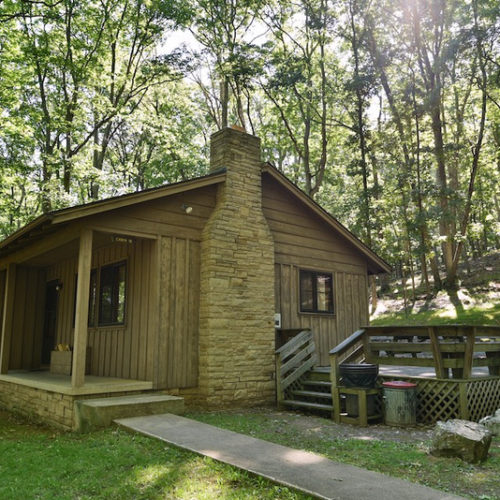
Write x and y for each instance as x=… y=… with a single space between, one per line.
x=3 y=277
x=111 y=347
x=27 y=325
x=179 y=312
x=302 y=241
x=159 y=341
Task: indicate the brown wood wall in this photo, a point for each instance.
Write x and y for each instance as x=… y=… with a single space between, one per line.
x=119 y=350
x=179 y=312
x=302 y=241
x=27 y=324
x=159 y=341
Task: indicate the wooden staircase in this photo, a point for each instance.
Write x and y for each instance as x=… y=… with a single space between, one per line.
x=300 y=384
x=315 y=394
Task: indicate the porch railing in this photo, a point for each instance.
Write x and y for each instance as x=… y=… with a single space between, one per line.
x=294 y=359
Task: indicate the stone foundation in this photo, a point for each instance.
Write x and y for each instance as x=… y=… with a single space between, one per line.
x=52 y=408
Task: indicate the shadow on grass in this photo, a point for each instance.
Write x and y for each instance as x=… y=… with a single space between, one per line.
x=457 y=303
x=114 y=464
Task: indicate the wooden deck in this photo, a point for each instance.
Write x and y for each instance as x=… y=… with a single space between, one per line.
x=456 y=369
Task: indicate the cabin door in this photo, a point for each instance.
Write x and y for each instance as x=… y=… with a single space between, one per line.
x=50 y=322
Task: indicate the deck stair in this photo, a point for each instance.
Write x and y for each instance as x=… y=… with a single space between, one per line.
x=315 y=395
x=98 y=413
x=300 y=384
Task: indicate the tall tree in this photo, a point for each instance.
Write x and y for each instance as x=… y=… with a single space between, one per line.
x=300 y=83
x=84 y=63
x=224 y=29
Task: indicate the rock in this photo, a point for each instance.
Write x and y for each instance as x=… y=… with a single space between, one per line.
x=492 y=423
x=461 y=438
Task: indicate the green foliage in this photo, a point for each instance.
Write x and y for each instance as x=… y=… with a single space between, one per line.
x=342 y=93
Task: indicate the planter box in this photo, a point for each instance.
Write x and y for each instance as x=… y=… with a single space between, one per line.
x=61 y=362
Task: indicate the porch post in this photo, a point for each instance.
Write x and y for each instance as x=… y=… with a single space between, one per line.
x=8 y=316
x=82 y=308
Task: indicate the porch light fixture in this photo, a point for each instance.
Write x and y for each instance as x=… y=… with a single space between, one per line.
x=187 y=208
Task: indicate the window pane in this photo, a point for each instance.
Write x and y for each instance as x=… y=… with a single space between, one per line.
x=120 y=309
x=112 y=294
x=316 y=292
x=93 y=298
x=306 y=291
x=324 y=292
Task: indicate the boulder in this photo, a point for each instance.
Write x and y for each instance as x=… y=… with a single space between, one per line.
x=492 y=423
x=461 y=438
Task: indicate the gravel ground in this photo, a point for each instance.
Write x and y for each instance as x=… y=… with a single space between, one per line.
x=313 y=425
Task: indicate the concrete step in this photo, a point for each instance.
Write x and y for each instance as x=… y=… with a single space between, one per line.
x=307 y=405
x=312 y=394
x=91 y=414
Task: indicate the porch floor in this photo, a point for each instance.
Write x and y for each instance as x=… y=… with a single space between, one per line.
x=62 y=383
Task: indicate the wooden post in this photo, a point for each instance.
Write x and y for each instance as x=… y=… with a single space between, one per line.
x=436 y=352
x=8 y=316
x=279 y=390
x=82 y=308
x=154 y=311
x=362 y=408
x=469 y=353
x=334 y=379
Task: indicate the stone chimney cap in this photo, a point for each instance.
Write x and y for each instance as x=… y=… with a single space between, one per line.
x=238 y=127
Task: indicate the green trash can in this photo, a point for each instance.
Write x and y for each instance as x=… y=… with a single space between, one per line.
x=400 y=403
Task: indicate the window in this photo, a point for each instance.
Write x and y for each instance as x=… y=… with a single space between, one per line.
x=112 y=294
x=107 y=294
x=316 y=292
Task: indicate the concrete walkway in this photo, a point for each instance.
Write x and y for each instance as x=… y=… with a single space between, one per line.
x=307 y=472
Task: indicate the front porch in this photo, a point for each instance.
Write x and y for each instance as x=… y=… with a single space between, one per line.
x=94 y=294
x=52 y=398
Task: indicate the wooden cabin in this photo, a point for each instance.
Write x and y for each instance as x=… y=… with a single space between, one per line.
x=176 y=288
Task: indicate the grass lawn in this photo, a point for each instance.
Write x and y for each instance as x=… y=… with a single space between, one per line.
x=40 y=463
x=481 y=313
x=406 y=460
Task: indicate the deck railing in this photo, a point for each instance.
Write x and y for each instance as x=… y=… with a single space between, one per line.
x=293 y=360
x=445 y=347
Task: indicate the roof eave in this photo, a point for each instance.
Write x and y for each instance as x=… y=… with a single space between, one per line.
x=77 y=212
x=31 y=226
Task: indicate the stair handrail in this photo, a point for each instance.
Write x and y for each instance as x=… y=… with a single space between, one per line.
x=293 y=360
x=356 y=342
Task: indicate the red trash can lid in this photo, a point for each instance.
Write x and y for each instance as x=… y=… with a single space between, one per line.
x=399 y=384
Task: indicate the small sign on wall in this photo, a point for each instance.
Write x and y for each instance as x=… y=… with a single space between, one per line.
x=277 y=320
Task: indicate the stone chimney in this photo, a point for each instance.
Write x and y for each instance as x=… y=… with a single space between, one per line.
x=237 y=281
